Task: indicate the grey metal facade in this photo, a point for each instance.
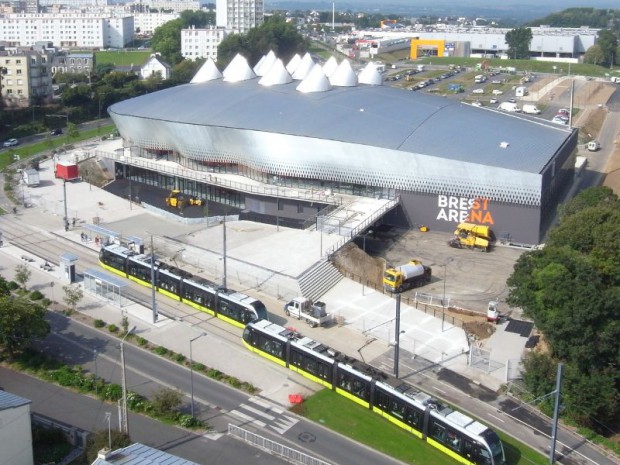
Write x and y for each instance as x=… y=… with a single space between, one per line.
x=501 y=170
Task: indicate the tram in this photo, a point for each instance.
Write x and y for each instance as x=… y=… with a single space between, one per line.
x=452 y=432
x=226 y=304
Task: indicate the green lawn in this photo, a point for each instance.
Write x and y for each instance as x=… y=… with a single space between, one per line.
x=351 y=420
x=122 y=57
x=49 y=144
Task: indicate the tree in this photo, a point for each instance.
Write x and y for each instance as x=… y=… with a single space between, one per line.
x=594 y=55
x=72 y=297
x=100 y=440
x=22 y=274
x=570 y=289
x=608 y=42
x=274 y=34
x=76 y=96
x=166 y=402
x=518 y=41
x=73 y=131
x=21 y=321
x=5 y=290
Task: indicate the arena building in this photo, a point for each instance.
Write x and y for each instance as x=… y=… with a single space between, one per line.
x=327 y=130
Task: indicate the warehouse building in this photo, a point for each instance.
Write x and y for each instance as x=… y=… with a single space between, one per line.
x=327 y=130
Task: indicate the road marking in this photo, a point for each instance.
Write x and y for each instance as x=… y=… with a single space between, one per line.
x=257 y=412
x=248 y=418
x=498 y=419
x=271 y=407
x=437 y=389
x=282 y=425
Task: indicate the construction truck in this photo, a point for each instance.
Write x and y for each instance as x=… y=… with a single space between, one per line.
x=313 y=313
x=175 y=199
x=403 y=277
x=472 y=236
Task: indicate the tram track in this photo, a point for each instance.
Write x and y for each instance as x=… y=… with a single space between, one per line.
x=48 y=246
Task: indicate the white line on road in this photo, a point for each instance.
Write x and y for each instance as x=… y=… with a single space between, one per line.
x=498 y=419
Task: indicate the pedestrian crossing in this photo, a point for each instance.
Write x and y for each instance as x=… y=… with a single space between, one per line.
x=264 y=414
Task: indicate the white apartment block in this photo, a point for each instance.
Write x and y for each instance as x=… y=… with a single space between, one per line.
x=202 y=43
x=175 y=6
x=26 y=77
x=146 y=23
x=67 y=30
x=239 y=15
x=16 y=430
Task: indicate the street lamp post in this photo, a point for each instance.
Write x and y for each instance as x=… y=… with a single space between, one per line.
x=191 y=371
x=124 y=419
x=443 y=300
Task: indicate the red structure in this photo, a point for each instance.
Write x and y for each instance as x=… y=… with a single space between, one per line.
x=66 y=170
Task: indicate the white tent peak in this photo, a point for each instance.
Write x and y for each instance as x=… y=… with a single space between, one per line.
x=370 y=75
x=305 y=66
x=276 y=75
x=330 y=66
x=265 y=63
x=293 y=63
x=316 y=81
x=207 y=72
x=344 y=75
x=238 y=70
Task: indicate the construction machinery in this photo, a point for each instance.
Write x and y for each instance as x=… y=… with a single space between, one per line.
x=472 y=236
x=400 y=278
x=175 y=199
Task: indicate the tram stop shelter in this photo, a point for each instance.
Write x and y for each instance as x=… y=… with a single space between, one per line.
x=106 y=286
x=101 y=235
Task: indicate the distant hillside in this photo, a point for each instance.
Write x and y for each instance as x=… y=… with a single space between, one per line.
x=577 y=17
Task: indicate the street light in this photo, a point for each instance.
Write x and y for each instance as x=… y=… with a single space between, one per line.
x=191 y=371
x=124 y=419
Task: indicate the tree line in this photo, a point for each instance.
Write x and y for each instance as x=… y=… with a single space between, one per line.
x=570 y=289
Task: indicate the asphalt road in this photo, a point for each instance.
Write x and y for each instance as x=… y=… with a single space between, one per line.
x=89 y=414
x=74 y=343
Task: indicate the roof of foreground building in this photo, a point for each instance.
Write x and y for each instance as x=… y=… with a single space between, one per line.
x=342 y=110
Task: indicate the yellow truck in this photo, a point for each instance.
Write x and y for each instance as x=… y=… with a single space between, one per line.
x=400 y=278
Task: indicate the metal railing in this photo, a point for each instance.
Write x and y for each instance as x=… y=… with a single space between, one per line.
x=273 y=447
x=365 y=224
x=216 y=180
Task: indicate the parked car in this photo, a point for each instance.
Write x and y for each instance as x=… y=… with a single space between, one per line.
x=478 y=91
x=563 y=111
x=10 y=143
x=497 y=92
x=56 y=132
x=512 y=100
x=493 y=100
x=558 y=120
x=476 y=104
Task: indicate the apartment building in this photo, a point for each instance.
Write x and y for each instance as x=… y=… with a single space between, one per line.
x=146 y=23
x=25 y=77
x=239 y=15
x=67 y=30
x=202 y=43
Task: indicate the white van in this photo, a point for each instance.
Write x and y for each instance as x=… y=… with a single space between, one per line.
x=593 y=146
x=521 y=91
x=509 y=107
x=531 y=109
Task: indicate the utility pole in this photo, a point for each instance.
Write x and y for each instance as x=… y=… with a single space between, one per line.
x=556 y=411
x=397 y=337
x=124 y=419
x=224 y=257
x=191 y=371
x=153 y=292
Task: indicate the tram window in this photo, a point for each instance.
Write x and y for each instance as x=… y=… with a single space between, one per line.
x=438 y=432
x=397 y=409
x=275 y=348
x=472 y=451
x=229 y=309
x=382 y=400
x=413 y=417
x=350 y=384
x=454 y=440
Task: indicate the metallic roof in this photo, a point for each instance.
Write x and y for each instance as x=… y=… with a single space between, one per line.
x=9 y=400
x=139 y=454
x=380 y=116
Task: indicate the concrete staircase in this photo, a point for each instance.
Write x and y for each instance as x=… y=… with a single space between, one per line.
x=319 y=279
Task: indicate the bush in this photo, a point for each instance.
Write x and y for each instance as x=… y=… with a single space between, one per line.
x=215 y=374
x=186 y=421
x=36 y=295
x=112 y=392
x=166 y=402
x=179 y=358
x=99 y=323
x=13 y=285
x=46 y=302
x=199 y=366
x=141 y=341
x=113 y=328
x=160 y=350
